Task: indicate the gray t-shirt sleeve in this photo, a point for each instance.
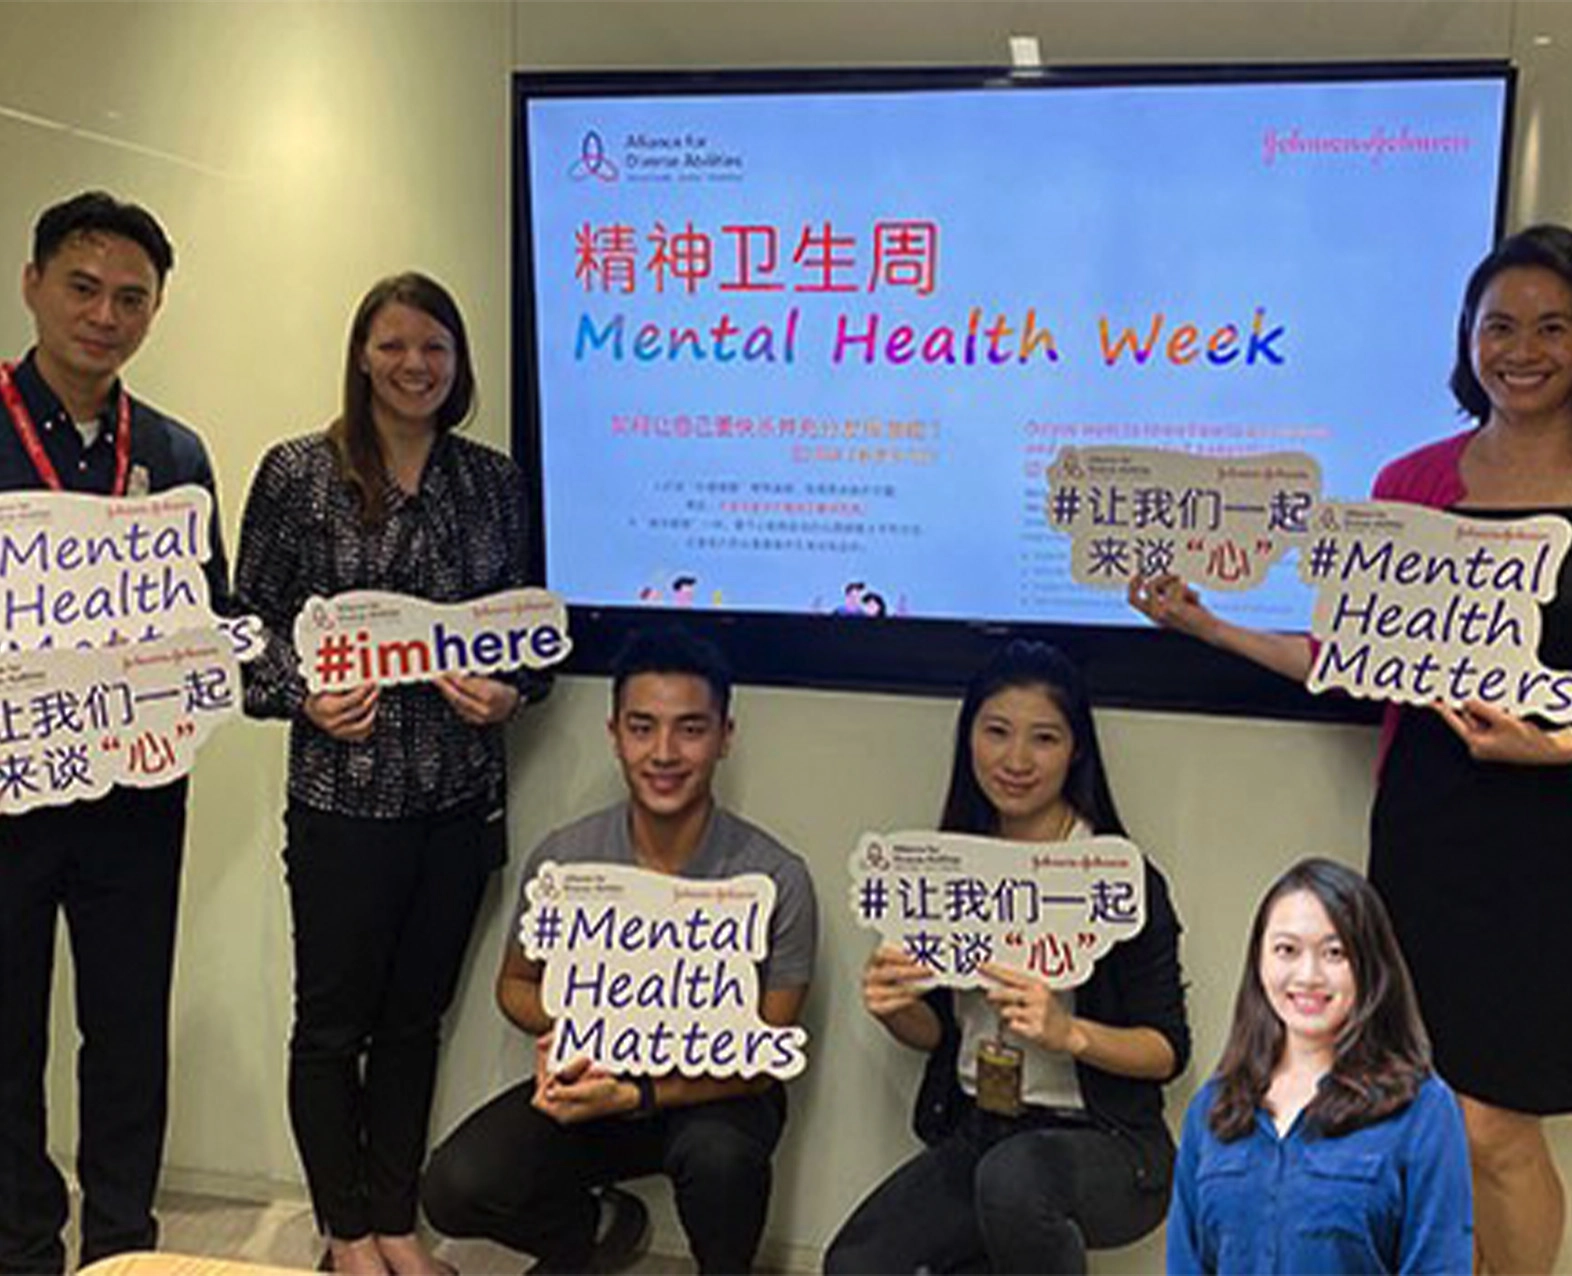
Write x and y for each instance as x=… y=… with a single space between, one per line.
x=537 y=857
x=794 y=928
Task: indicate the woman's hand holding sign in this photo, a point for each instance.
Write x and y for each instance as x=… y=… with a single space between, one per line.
x=1168 y=602
x=344 y=715
x=480 y=701
x=892 y=987
x=1493 y=735
x=892 y=982
x=1029 y=1008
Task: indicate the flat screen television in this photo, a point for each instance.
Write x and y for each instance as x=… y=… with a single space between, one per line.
x=793 y=350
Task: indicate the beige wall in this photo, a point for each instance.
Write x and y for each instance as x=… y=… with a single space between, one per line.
x=299 y=150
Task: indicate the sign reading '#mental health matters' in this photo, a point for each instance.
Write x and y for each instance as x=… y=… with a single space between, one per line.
x=1418 y=605
x=648 y=974
x=86 y=571
x=1218 y=521
x=372 y=636
x=955 y=902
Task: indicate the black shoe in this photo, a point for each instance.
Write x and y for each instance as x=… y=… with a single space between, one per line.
x=622 y=1234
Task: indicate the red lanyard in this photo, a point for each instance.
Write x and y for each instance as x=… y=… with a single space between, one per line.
x=34 y=446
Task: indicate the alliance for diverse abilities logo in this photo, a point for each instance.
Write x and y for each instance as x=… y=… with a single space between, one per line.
x=593 y=161
x=660 y=155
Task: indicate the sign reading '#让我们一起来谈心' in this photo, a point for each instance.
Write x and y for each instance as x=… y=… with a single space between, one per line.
x=73 y=722
x=1218 y=521
x=959 y=904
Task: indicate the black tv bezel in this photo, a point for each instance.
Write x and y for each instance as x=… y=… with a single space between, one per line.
x=1135 y=667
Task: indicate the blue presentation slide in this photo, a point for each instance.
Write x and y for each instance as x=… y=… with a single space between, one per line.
x=815 y=352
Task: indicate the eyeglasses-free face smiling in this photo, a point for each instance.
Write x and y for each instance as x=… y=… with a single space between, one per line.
x=669 y=736
x=411 y=361
x=1306 y=971
x=1021 y=750
x=1522 y=344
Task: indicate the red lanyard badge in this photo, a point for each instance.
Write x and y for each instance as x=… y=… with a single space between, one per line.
x=27 y=432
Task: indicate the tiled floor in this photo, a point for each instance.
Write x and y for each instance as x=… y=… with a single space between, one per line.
x=284 y=1233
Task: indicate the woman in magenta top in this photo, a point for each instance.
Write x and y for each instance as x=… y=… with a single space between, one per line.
x=1473 y=812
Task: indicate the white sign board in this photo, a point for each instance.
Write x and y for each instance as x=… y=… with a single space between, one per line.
x=1417 y=605
x=955 y=902
x=74 y=722
x=1218 y=521
x=648 y=973
x=368 y=635
x=94 y=571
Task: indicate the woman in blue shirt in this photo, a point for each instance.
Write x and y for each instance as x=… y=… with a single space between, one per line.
x=1081 y=1157
x=1324 y=1143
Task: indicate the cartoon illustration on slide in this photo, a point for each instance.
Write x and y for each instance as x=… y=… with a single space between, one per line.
x=857 y=599
x=851 y=602
x=681 y=591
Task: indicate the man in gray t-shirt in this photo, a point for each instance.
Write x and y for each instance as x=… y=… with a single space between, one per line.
x=522 y=1170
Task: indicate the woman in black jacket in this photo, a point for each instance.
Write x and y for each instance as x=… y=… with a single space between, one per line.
x=1087 y=1160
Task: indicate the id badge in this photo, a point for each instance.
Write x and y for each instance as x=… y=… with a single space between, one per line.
x=999 y=1078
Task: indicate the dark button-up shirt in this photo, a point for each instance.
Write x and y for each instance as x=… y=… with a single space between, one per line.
x=167 y=453
x=459 y=536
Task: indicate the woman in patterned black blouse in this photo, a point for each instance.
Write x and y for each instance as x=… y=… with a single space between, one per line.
x=394 y=819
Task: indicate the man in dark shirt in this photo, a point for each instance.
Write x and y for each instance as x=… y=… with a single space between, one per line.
x=112 y=865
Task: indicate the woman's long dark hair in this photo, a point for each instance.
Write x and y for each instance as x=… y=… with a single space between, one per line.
x=354 y=433
x=1381 y=1055
x=1030 y=664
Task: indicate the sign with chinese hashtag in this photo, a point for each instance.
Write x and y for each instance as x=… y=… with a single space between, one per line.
x=74 y=722
x=1418 y=605
x=955 y=902
x=647 y=973
x=1217 y=521
x=371 y=636
x=93 y=571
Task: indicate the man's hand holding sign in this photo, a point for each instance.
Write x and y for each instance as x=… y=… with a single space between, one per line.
x=645 y=975
x=660 y=956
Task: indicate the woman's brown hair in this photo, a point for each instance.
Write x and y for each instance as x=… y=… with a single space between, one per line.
x=354 y=433
x=1381 y=1055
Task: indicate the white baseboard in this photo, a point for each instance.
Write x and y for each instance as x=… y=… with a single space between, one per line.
x=251 y=1188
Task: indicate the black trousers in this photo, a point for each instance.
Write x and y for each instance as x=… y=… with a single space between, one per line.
x=1001 y=1195
x=383 y=911
x=511 y=1174
x=112 y=868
